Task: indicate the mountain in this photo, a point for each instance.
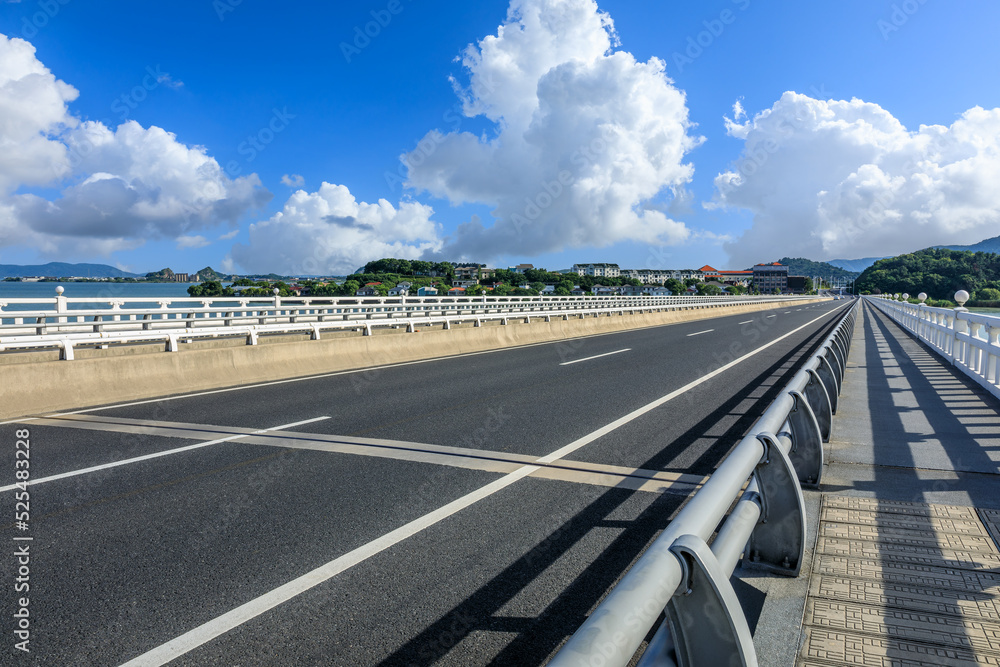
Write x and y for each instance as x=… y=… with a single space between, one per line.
x=799 y=266
x=63 y=270
x=855 y=265
x=989 y=245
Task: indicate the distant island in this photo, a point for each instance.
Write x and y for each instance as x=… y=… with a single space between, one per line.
x=64 y=272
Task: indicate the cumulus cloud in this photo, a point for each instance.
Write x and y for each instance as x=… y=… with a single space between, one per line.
x=293 y=180
x=117 y=187
x=588 y=145
x=844 y=179
x=330 y=232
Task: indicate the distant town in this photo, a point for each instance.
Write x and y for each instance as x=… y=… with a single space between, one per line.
x=400 y=277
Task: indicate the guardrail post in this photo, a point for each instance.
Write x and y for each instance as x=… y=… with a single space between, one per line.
x=828 y=374
x=819 y=401
x=705 y=620
x=806 y=454
x=778 y=542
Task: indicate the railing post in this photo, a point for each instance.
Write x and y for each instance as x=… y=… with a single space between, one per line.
x=958 y=346
x=61 y=304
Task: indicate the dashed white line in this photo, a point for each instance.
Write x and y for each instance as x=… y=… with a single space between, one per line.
x=747 y=322
x=596 y=356
x=220 y=625
x=155 y=455
x=701 y=332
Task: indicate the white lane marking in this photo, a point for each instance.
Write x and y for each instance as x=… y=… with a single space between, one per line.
x=596 y=356
x=155 y=455
x=587 y=439
x=770 y=316
x=220 y=625
x=701 y=332
x=747 y=322
x=336 y=373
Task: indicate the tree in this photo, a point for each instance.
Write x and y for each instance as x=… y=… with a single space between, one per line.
x=704 y=289
x=675 y=286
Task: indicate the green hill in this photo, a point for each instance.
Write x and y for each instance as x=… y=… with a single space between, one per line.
x=937 y=271
x=799 y=266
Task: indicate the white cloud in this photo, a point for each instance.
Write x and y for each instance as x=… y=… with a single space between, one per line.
x=293 y=180
x=118 y=187
x=228 y=236
x=838 y=179
x=589 y=143
x=189 y=242
x=330 y=232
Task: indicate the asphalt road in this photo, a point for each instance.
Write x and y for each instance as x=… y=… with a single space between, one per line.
x=462 y=511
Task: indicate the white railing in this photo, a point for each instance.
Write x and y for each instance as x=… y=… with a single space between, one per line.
x=64 y=322
x=970 y=341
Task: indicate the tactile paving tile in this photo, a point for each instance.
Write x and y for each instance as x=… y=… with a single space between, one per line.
x=906 y=625
x=885 y=594
x=991 y=519
x=912 y=574
x=823 y=647
x=903 y=536
x=898 y=507
x=904 y=521
x=881 y=550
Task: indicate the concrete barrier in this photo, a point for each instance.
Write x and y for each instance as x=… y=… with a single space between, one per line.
x=114 y=376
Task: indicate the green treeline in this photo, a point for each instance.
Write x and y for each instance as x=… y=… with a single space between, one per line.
x=936 y=271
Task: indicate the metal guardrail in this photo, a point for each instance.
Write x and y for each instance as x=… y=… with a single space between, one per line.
x=68 y=323
x=970 y=341
x=681 y=576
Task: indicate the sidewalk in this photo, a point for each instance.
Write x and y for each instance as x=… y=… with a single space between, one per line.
x=906 y=569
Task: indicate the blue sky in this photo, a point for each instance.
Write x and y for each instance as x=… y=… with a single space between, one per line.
x=216 y=74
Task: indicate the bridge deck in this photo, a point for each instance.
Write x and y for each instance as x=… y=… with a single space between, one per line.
x=906 y=569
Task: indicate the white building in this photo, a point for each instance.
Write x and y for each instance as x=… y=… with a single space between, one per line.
x=601 y=270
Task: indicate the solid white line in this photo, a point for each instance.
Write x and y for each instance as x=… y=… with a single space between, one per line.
x=701 y=332
x=156 y=455
x=747 y=322
x=191 y=640
x=175 y=648
x=587 y=439
x=597 y=356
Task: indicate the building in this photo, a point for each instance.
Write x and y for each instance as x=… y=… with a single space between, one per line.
x=770 y=277
x=368 y=290
x=402 y=289
x=602 y=270
x=521 y=268
x=471 y=272
x=728 y=277
x=797 y=284
x=427 y=291
x=456 y=291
